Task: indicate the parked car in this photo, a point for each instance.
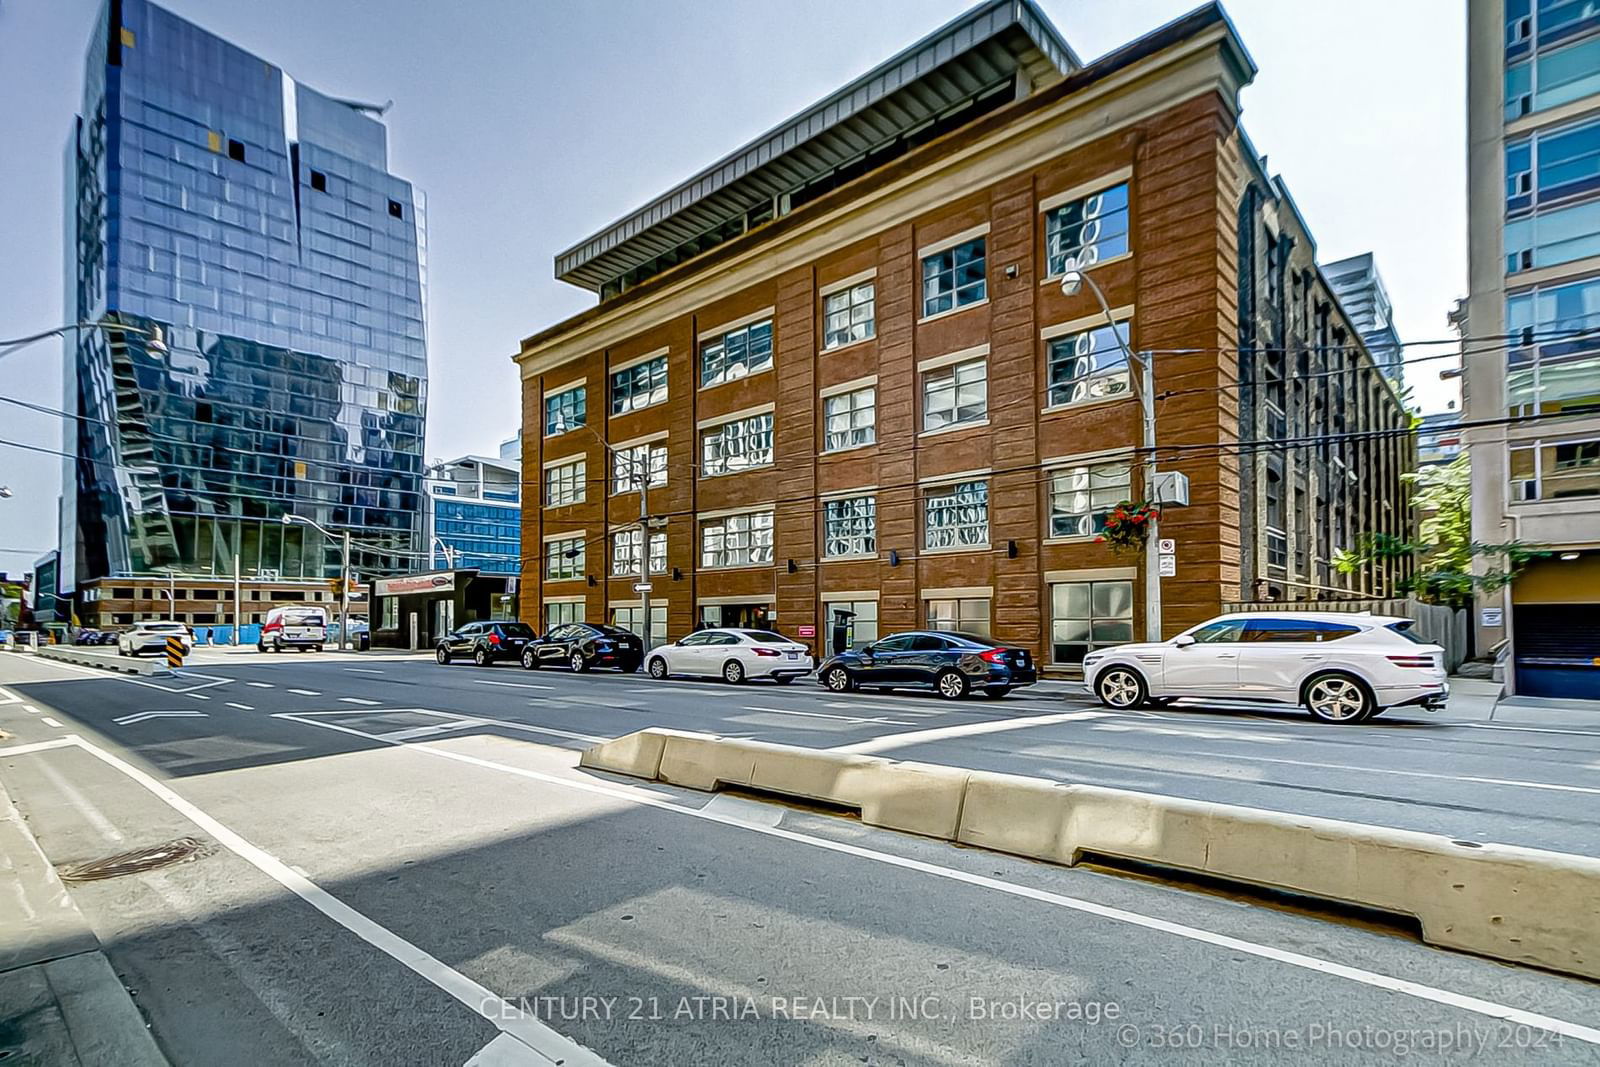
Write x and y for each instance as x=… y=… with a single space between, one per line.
x=484 y=642
x=1342 y=667
x=951 y=664
x=151 y=636
x=294 y=626
x=583 y=646
x=89 y=637
x=734 y=655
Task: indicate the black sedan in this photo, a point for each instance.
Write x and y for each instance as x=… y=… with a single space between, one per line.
x=583 y=646
x=951 y=664
x=485 y=642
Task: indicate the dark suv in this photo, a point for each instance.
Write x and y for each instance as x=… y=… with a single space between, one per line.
x=485 y=642
x=951 y=664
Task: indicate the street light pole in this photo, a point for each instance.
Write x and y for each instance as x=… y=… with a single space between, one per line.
x=640 y=466
x=1070 y=283
x=344 y=572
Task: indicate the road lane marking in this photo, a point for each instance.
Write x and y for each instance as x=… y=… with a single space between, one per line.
x=30 y=709
x=241 y=707
x=356 y=700
x=260 y=685
x=197 y=696
x=1416 y=774
x=505 y=1016
x=513 y=685
x=145 y=716
x=39 y=746
x=825 y=715
x=1360 y=975
x=305 y=692
x=362 y=670
x=431 y=730
x=48 y=721
x=9 y=698
x=943 y=733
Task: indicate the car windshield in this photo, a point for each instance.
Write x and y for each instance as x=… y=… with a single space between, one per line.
x=173 y=626
x=766 y=637
x=611 y=631
x=1404 y=629
x=302 y=618
x=516 y=629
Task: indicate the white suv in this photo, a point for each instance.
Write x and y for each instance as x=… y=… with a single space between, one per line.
x=1344 y=668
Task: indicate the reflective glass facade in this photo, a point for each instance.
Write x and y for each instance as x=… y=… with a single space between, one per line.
x=481 y=534
x=254 y=221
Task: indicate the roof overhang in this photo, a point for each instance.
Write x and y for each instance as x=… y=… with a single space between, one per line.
x=997 y=47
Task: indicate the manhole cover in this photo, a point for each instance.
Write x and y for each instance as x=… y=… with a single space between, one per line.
x=135 y=860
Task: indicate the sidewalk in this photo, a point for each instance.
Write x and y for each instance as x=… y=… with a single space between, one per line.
x=60 y=1001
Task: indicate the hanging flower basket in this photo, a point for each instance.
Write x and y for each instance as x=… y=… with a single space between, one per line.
x=1128 y=524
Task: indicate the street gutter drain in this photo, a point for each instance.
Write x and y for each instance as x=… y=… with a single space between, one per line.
x=135 y=861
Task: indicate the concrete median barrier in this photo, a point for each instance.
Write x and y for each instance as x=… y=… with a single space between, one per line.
x=106 y=661
x=1516 y=904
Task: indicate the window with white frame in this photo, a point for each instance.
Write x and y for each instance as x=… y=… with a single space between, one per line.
x=628 y=464
x=860 y=631
x=963 y=614
x=849 y=420
x=737 y=445
x=639 y=386
x=737 y=540
x=955 y=394
x=850 y=526
x=562 y=613
x=625 y=552
x=1085 y=231
x=848 y=315
x=564 y=483
x=563 y=559
x=1088 y=615
x=954 y=277
x=566 y=410
x=632 y=620
x=736 y=354
x=1080 y=497
x=956 y=515
x=1087 y=365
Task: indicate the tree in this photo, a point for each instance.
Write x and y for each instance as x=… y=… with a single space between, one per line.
x=1445 y=553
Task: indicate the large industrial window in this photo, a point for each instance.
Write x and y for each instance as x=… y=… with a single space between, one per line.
x=737 y=540
x=1088 y=365
x=1083 y=232
x=563 y=559
x=736 y=354
x=625 y=552
x=736 y=446
x=850 y=527
x=632 y=620
x=954 y=278
x=628 y=465
x=639 y=386
x=848 y=315
x=562 y=614
x=860 y=631
x=964 y=615
x=955 y=394
x=566 y=410
x=564 y=484
x=1080 y=497
x=956 y=515
x=849 y=420
x=1088 y=615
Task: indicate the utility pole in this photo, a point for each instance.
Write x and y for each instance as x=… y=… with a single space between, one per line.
x=643 y=478
x=238 y=603
x=344 y=592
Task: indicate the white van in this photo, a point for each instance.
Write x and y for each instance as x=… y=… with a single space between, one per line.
x=294 y=626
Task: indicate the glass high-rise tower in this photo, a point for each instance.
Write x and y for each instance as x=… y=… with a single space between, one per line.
x=255 y=222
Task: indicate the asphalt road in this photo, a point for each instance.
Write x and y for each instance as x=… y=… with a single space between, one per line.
x=400 y=863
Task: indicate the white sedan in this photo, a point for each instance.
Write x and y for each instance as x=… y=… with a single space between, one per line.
x=152 y=637
x=1342 y=667
x=734 y=655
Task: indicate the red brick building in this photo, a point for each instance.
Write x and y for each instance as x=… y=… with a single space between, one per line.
x=846 y=354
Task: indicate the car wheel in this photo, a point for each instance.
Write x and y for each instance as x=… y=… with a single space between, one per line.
x=837 y=679
x=658 y=668
x=997 y=692
x=577 y=662
x=733 y=672
x=530 y=662
x=1338 y=698
x=442 y=654
x=480 y=656
x=1121 y=687
x=952 y=685
x=261 y=646
x=277 y=644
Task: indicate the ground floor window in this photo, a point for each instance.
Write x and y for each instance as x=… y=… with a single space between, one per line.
x=391 y=615
x=1087 y=615
x=742 y=616
x=632 y=620
x=559 y=614
x=966 y=614
x=861 y=631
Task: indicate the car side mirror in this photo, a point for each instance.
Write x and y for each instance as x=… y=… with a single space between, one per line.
x=1183 y=640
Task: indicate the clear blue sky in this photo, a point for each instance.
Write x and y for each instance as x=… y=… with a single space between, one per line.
x=531 y=123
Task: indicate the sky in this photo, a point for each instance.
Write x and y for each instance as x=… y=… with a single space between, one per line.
x=530 y=124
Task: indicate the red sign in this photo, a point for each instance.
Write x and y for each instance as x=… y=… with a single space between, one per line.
x=805 y=631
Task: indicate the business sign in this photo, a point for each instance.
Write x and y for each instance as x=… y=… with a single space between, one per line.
x=415 y=583
x=805 y=631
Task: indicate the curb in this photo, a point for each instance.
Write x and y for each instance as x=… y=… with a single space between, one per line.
x=1521 y=905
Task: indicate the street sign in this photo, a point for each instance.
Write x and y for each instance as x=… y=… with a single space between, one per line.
x=642 y=587
x=1491 y=616
x=1166 y=546
x=1168 y=567
x=805 y=631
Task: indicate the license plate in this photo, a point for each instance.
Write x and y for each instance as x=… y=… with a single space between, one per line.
x=794 y=655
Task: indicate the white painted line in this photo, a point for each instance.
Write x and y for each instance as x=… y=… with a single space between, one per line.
x=241 y=707
x=551 y=1046
x=825 y=715
x=1413 y=774
x=426 y=731
x=943 y=733
x=260 y=685
x=1359 y=975
x=513 y=685
x=197 y=696
x=505 y=1051
x=30 y=709
x=355 y=700
x=305 y=692
x=8 y=698
x=48 y=721
x=362 y=670
x=145 y=716
x=39 y=746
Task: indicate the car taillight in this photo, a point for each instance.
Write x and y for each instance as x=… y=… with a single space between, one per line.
x=1411 y=661
x=494 y=639
x=768 y=652
x=994 y=655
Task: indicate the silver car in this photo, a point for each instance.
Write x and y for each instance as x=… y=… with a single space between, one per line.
x=152 y=637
